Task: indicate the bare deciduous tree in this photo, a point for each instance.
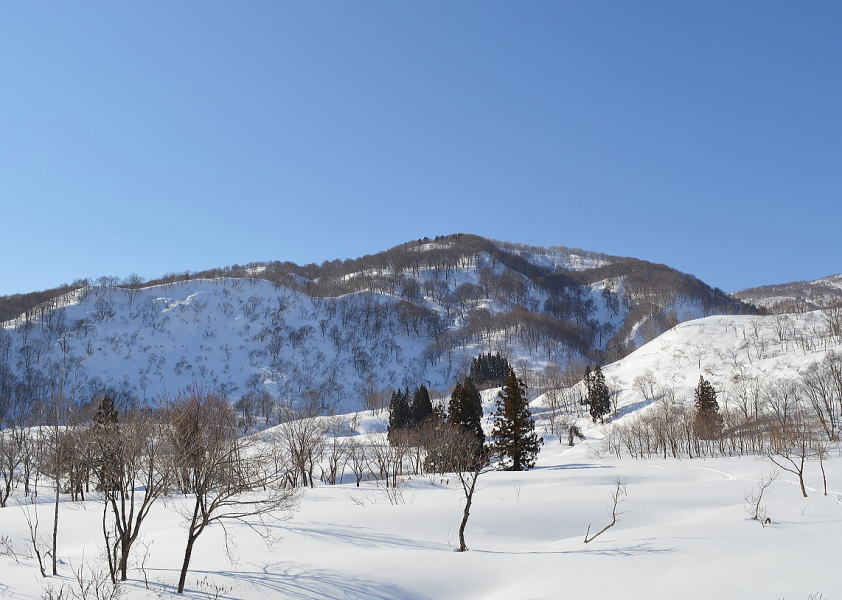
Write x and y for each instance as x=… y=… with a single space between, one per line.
x=230 y=479
x=358 y=460
x=13 y=446
x=132 y=475
x=302 y=435
x=791 y=444
x=456 y=449
x=754 y=500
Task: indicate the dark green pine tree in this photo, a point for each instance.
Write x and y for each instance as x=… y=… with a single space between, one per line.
x=489 y=369
x=708 y=421
x=598 y=396
x=500 y=367
x=465 y=409
x=398 y=414
x=515 y=440
x=473 y=404
x=455 y=411
x=421 y=408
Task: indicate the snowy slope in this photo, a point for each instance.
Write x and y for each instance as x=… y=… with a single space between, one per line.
x=238 y=335
x=234 y=334
x=727 y=350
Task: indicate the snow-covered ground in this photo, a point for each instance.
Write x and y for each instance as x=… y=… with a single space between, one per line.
x=683 y=532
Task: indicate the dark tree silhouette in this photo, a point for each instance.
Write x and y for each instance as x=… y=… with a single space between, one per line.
x=515 y=440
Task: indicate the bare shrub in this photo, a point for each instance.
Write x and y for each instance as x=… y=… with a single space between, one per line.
x=755 y=507
x=617 y=496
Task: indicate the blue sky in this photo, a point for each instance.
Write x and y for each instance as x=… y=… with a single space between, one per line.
x=164 y=136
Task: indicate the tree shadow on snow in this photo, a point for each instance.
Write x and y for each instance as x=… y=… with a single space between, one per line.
x=568 y=466
x=7 y=592
x=635 y=549
x=634 y=406
x=361 y=537
x=288 y=580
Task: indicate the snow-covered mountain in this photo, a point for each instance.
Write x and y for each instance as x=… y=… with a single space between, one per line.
x=291 y=338
x=339 y=331
x=796 y=295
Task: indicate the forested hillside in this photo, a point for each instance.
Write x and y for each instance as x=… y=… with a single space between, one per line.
x=796 y=296
x=341 y=333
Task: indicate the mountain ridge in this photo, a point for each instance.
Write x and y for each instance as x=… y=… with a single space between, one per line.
x=344 y=330
x=795 y=296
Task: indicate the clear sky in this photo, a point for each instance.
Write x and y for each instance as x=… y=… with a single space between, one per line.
x=152 y=137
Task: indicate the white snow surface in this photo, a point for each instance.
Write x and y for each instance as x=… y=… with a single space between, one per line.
x=683 y=532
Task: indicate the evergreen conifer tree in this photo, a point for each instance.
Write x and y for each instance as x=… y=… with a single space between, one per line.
x=421 y=408
x=455 y=411
x=598 y=396
x=489 y=369
x=708 y=421
x=473 y=405
x=398 y=414
x=465 y=408
x=514 y=434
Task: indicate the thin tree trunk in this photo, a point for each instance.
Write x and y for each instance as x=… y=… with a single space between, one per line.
x=125 y=548
x=824 y=478
x=469 y=497
x=187 y=553
x=109 y=554
x=465 y=515
x=55 y=527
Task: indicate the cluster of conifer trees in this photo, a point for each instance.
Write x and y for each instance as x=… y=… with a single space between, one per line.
x=514 y=443
x=406 y=413
x=489 y=369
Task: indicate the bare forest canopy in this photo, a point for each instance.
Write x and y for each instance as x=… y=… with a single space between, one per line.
x=796 y=296
x=385 y=270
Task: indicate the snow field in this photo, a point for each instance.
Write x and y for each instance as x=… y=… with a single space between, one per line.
x=683 y=531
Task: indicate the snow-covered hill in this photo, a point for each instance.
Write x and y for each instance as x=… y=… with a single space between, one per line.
x=231 y=334
x=796 y=295
x=343 y=330
x=733 y=352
